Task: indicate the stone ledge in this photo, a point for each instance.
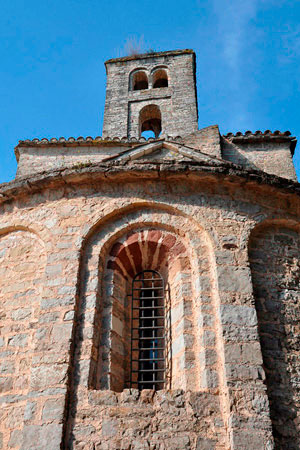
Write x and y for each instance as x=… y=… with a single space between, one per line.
x=151 y=55
x=137 y=171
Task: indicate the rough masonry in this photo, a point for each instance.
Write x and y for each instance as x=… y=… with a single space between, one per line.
x=216 y=216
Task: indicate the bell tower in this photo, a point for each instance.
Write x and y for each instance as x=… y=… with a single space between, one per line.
x=151 y=92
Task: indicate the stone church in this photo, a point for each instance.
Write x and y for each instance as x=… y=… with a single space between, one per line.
x=150 y=287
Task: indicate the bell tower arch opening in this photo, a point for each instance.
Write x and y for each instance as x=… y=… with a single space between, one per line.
x=138 y=80
x=160 y=78
x=150 y=120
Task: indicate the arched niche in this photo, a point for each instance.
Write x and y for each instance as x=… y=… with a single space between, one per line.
x=102 y=281
x=195 y=317
x=274 y=252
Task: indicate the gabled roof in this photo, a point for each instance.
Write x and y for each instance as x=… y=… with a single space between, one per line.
x=160 y=151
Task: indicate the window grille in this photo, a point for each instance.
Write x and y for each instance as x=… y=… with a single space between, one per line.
x=148 y=332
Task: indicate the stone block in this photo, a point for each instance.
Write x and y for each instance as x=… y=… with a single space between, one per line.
x=209 y=379
x=248 y=353
x=117 y=325
x=244 y=372
x=180 y=442
x=55 y=269
x=7 y=367
x=29 y=411
x=15 y=439
x=146 y=395
x=208 y=357
x=234 y=279
x=205 y=444
x=21 y=314
x=106 y=398
x=48 y=317
x=129 y=396
x=248 y=440
x=6 y=384
x=61 y=334
x=239 y=315
x=45 y=376
x=203 y=404
x=109 y=427
x=19 y=340
x=40 y=437
x=208 y=338
x=69 y=315
x=53 y=409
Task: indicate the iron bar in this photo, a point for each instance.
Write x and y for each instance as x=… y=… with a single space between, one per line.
x=148 y=297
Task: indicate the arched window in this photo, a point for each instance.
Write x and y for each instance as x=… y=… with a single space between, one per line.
x=150 y=119
x=160 y=78
x=148 y=339
x=147 y=325
x=139 y=81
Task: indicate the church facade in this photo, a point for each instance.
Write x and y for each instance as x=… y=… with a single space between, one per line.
x=150 y=287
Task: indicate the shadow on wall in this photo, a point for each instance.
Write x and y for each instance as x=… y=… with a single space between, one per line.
x=234 y=154
x=274 y=259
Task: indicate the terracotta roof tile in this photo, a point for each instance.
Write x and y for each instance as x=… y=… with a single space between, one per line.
x=257 y=133
x=258 y=136
x=90 y=141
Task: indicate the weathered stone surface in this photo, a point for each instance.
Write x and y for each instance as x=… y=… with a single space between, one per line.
x=102 y=398
x=30 y=410
x=235 y=279
x=73 y=238
x=265 y=154
x=274 y=257
x=37 y=437
x=19 y=340
x=238 y=315
x=6 y=384
x=53 y=409
x=44 y=376
x=15 y=439
x=109 y=427
x=247 y=440
x=205 y=444
x=7 y=367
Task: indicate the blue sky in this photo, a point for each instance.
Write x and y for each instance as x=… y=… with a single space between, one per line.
x=52 y=76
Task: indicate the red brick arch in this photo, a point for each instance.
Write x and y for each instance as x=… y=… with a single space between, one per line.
x=144 y=249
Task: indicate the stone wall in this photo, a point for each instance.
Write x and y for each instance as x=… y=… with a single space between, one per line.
x=267 y=155
x=165 y=420
x=274 y=257
x=22 y=266
x=78 y=217
x=52 y=157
